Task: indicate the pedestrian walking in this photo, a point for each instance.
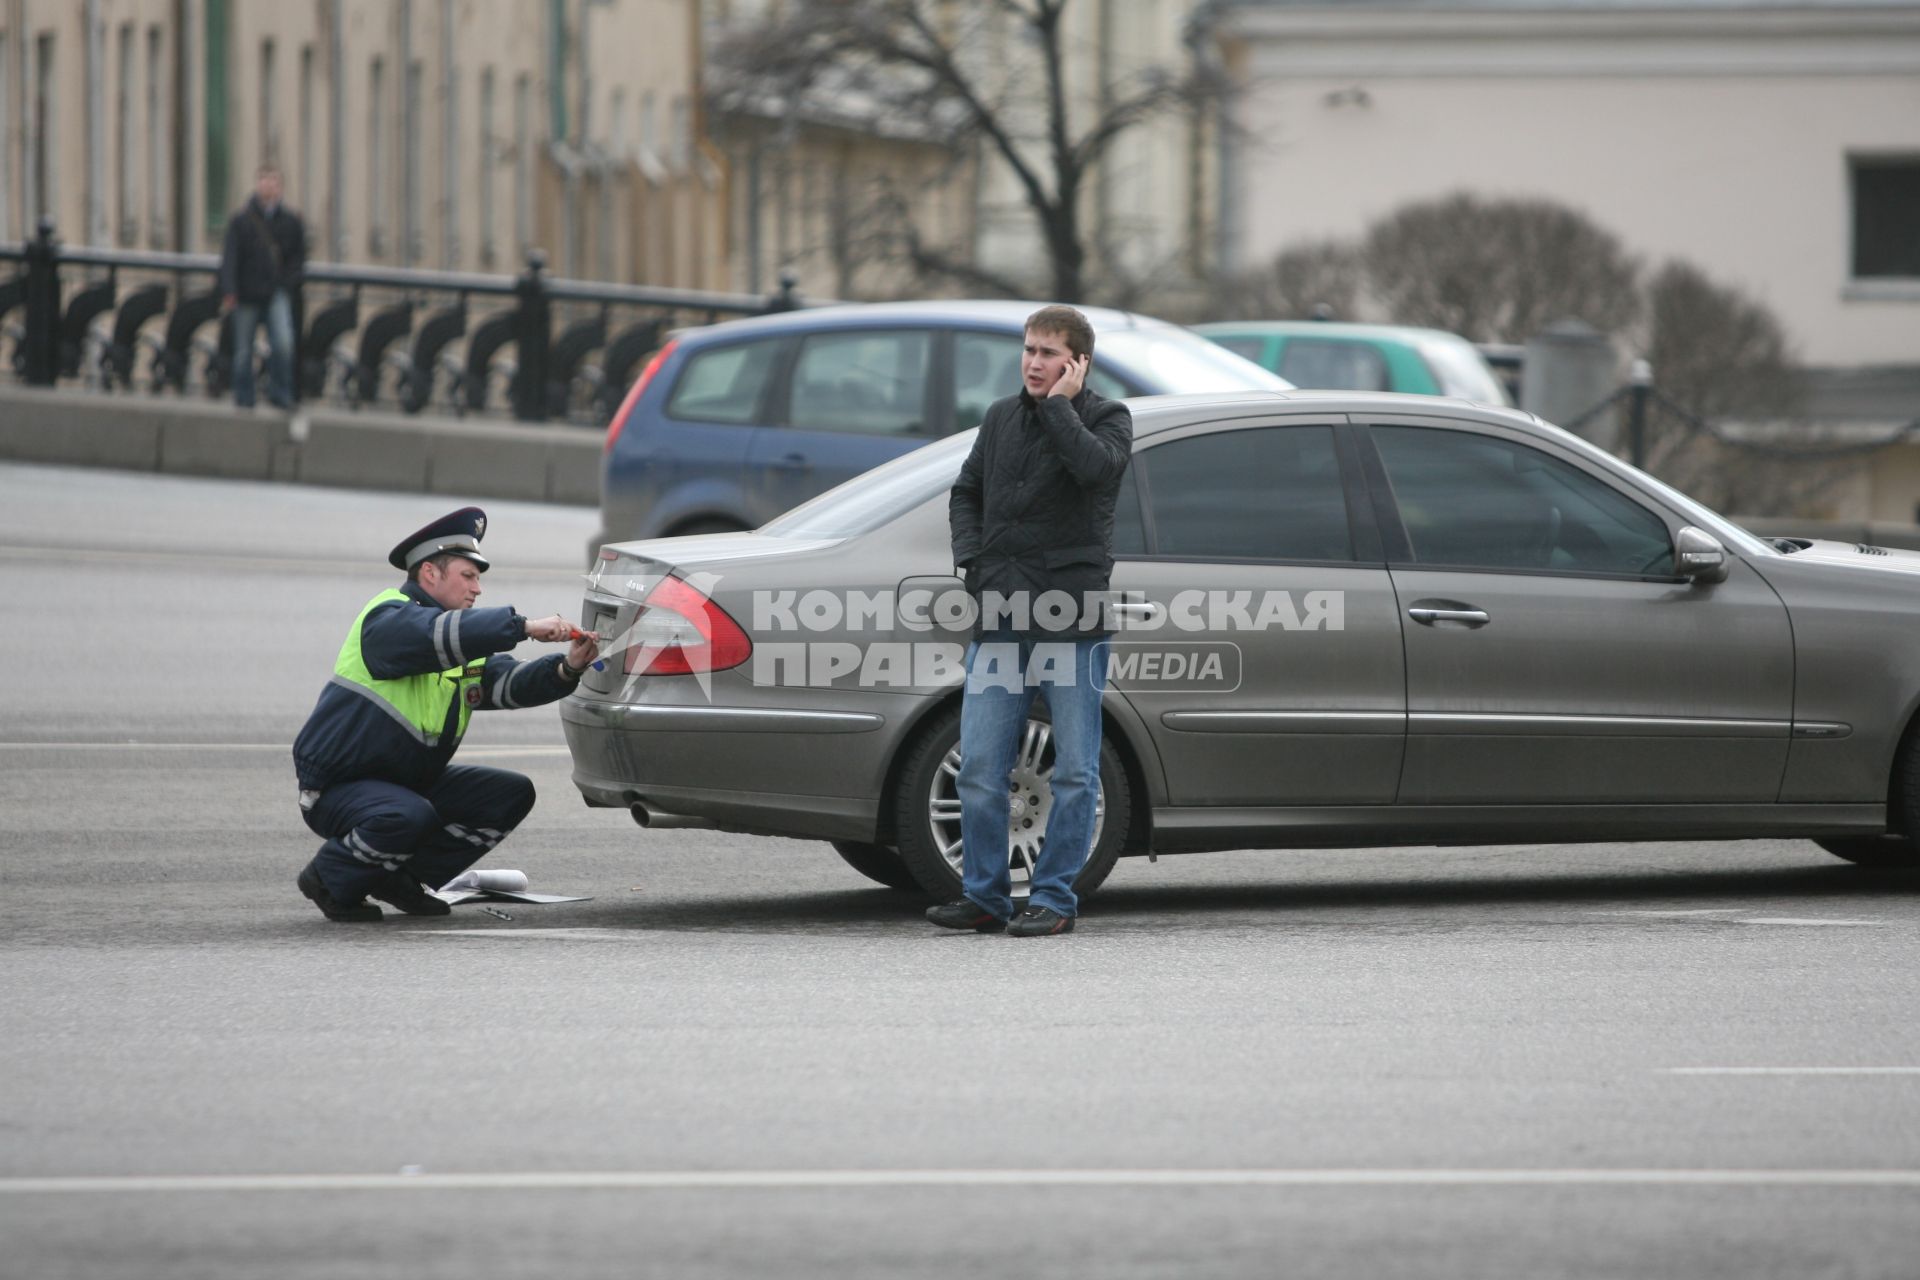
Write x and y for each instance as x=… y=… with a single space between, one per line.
x=373 y=758
x=261 y=261
x=1032 y=516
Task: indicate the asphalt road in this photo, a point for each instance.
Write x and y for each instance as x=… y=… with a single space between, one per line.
x=740 y=1059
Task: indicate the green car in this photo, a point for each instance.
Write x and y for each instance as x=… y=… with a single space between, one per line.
x=1322 y=356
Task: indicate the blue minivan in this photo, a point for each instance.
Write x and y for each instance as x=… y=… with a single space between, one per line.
x=732 y=424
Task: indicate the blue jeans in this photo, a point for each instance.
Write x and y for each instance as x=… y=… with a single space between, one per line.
x=278 y=312
x=1004 y=673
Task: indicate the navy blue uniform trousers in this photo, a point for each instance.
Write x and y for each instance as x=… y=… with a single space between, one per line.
x=375 y=829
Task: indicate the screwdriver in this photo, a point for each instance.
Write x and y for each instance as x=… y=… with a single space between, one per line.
x=575 y=633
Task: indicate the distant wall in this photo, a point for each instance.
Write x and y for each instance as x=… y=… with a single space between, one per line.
x=469 y=458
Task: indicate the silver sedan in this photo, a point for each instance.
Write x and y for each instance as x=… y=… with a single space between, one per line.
x=1344 y=619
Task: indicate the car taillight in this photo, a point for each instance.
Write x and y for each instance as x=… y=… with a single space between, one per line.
x=619 y=422
x=681 y=631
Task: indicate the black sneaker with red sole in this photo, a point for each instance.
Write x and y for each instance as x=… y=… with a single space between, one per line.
x=1039 y=922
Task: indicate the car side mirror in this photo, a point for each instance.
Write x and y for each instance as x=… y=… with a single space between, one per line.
x=1698 y=556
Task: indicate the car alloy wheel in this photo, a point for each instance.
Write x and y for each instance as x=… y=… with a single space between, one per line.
x=927 y=808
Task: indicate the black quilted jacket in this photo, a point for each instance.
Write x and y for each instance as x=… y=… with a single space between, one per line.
x=1032 y=510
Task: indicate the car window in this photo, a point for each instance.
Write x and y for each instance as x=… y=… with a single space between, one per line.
x=986 y=366
x=1129 y=533
x=868 y=383
x=1165 y=360
x=885 y=493
x=723 y=384
x=1268 y=493
x=1480 y=502
x=1254 y=349
x=1462 y=371
x=1333 y=364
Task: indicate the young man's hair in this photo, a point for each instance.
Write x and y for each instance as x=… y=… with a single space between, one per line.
x=440 y=562
x=1066 y=322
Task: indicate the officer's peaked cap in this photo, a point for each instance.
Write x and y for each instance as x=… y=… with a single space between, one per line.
x=458 y=533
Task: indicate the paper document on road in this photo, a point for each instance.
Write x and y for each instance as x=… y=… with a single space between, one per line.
x=497 y=886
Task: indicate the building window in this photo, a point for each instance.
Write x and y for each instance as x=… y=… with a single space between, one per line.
x=487 y=249
x=1886 y=217
x=523 y=163
x=156 y=138
x=6 y=142
x=45 y=164
x=306 y=125
x=218 y=159
x=377 y=158
x=269 y=104
x=124 y=203
x=413 y=224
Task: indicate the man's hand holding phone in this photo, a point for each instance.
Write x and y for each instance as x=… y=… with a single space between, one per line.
x=1073 y=377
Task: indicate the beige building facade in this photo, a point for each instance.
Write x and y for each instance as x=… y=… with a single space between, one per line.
x=437 y=134
x=1775 y=145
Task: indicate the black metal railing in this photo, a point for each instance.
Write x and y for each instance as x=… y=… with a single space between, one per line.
x=564 y=349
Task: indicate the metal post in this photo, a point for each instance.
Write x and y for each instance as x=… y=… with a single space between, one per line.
x=1640 y=379
x=531 y=337
x=41 y=345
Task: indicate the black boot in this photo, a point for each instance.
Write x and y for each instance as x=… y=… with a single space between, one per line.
x=359 y=912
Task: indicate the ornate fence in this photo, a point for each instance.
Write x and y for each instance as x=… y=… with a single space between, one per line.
x=544 y=348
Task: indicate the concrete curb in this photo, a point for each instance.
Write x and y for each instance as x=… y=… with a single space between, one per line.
x=481 y=459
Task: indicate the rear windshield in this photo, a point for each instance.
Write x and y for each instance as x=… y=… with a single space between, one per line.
x=885 y=493
x=1170 y=361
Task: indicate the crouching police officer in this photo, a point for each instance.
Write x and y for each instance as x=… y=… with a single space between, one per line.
x=373 y=757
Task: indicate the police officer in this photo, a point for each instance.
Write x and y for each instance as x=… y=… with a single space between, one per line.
x=373 y=757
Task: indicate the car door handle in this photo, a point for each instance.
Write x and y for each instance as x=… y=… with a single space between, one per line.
x=1145 y=610
x=795 y=462
x=1427 y=616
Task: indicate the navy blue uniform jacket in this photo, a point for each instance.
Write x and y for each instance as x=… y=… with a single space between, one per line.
x=349 y=737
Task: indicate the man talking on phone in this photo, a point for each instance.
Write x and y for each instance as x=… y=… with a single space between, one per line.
x=1032 y=524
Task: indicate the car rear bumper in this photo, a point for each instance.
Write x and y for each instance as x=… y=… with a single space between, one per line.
x=804 y=766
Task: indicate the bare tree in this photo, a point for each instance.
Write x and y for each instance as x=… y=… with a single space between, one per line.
x=1321 y=278
x=1719 y=356
x=1499 y=270
x=915 y=60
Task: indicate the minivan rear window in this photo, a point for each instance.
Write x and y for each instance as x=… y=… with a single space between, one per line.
x=724 y=384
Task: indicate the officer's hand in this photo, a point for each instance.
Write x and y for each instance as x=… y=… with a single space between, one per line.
x=552 y=630
x=582 y=652
x=1073 y=377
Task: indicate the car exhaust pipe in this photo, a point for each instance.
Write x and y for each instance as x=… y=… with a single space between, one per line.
x=655 y=820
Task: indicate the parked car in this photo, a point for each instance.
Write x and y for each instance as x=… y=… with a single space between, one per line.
x=729 y=425
x=1481 y=629
x=1364 y=357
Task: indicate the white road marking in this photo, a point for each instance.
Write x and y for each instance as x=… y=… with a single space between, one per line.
x=1697 y=911
x=804 y=1179
x=1799 y=920
x=565 y=932
x=27 y=551
x=1792 y=1071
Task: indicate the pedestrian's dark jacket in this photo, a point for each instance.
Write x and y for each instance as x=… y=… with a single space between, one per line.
x=262 y=252
x=350 y=736
x=1032 y=510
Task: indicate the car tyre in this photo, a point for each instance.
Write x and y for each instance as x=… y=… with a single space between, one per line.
x=926 y=785
x=877 y=862
x=710 y=524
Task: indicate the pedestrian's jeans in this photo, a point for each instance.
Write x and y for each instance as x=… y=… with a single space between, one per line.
x=1004 y=673
x=278 y=313
x=375 y=829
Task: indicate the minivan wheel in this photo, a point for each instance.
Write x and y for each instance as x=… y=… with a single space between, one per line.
x=1873 y=851
x=926 y=808
x=877 y=862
